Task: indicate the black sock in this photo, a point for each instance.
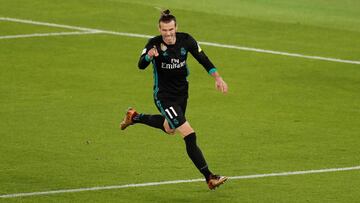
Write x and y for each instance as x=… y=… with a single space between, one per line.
x=196 y=155
x=156 y=121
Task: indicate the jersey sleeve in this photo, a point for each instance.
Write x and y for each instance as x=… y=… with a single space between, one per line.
x=200 y=55
x=144 y=60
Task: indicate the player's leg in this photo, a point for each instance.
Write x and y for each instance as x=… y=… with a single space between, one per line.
x=197 y=157
x=133 y=117
x=174 y=112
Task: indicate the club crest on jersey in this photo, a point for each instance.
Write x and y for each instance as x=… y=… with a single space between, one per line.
x=163 y=47
x=183 y=51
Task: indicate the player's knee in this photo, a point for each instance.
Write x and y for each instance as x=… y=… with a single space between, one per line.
x=185 y=129
x=167 y=128
x=170 y=131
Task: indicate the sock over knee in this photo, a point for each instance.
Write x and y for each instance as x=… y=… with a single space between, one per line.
x=196 y=155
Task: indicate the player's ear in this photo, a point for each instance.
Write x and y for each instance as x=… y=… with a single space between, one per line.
x=159 y=27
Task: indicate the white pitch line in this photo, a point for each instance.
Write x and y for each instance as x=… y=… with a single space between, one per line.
x=297 y=173
x=74 y=27
x=280 y=53
x=47 y=34
x=46 y=24
x=204 y=43
x=174 y=182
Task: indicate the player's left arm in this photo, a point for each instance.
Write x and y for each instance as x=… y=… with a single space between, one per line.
x=201 y=57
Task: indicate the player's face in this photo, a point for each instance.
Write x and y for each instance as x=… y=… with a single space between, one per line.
x=168 y=32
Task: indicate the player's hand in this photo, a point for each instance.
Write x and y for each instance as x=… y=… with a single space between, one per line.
x=221 y=85
x=153 y=52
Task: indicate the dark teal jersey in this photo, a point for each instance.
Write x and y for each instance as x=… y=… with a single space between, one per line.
x=170 y=67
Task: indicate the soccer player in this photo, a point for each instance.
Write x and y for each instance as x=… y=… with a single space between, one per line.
x=168 y=53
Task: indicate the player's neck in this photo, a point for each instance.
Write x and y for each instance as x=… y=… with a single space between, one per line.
x=170 y=42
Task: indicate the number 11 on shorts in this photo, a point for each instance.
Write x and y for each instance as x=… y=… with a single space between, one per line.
x=169 y=113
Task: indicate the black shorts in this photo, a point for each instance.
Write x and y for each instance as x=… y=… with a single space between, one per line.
x=173 y=110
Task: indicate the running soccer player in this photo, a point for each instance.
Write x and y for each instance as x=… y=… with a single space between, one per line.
x=168 y=53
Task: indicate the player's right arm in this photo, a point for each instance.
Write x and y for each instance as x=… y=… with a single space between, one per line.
x=147 y=55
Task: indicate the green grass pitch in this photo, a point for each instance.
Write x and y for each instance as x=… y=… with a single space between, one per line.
x=62 y=98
